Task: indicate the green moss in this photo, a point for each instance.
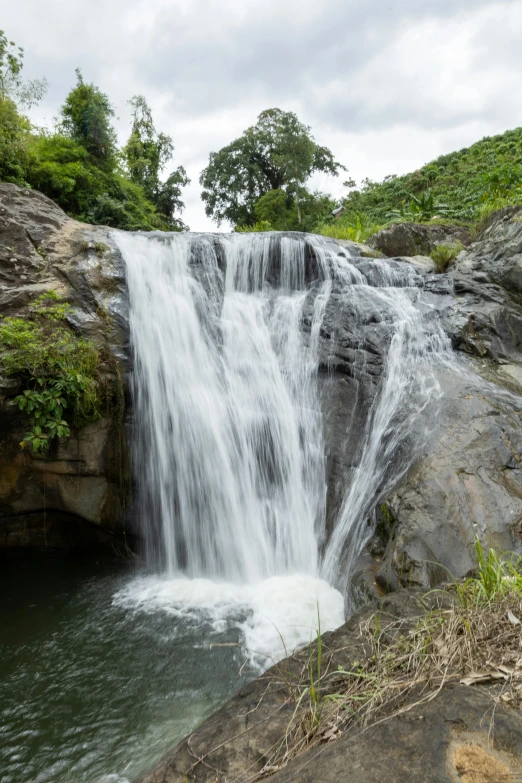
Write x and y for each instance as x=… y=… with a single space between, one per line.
x=100 y=249
x=58 y=369
x=385 y=522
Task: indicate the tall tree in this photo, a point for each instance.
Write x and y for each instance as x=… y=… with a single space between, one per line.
x=147 y=153
x=12 y=86
x=278 y=152
x=86 y=118
x=14 y=127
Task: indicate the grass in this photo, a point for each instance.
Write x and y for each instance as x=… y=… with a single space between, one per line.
x=471 y=636
x=356 y=228
x=444 y=255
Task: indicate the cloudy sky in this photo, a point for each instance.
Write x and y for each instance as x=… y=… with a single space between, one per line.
x=386 y=84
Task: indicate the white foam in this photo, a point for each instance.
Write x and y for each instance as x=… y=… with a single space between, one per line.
x=274 y=617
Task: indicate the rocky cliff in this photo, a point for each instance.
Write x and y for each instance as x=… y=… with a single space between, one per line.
x=75 y=495
x=467 y=481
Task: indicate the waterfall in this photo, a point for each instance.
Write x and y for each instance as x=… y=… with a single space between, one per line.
x=230 y=336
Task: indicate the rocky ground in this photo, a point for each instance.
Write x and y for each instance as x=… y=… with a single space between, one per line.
x=466 y=733
x=470 y=481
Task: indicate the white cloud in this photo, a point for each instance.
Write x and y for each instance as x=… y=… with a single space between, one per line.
x=386 y=86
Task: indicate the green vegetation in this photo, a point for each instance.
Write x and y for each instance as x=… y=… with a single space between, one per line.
x=458 y=186
x=57 y=368
x=279 y=154
x=79 y=164
x=467 y=633
x=464 y=187
x=258 y=182
x=444 y=255
x=356 y=227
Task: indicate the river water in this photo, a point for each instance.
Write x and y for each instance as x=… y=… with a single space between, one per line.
x=106 y=665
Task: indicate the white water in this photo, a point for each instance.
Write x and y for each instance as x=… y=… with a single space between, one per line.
x=229 y=456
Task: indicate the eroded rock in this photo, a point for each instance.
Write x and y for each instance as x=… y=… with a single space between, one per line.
x=77 y=493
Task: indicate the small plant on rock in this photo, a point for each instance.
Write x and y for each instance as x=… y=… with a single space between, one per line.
x=444 y=255
x=58 y=370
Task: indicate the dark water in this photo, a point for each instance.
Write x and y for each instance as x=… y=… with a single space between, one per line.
x=91 y=691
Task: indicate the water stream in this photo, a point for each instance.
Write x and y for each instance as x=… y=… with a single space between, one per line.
x=230 y=335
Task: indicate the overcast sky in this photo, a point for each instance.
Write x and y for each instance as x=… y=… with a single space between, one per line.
x=386 y=85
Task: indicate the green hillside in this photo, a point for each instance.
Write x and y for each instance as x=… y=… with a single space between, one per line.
x=464 y=185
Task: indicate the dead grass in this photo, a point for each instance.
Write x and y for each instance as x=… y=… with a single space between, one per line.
x=476 y=639
x=474 y=765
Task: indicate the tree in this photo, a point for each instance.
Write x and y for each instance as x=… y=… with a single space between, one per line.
x=11 y=85
x=278 y=152
x=147 y=153
x=14 y=143
x=14 y=127
x=86 y=118
x=274 y=208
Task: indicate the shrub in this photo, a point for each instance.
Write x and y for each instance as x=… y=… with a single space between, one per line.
x=57 y=367
x=259 y=227
x=444 y=255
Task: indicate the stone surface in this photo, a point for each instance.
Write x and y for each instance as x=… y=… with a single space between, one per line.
x=422 y=744
x=469 y=483
x=414 y=239
x=76 y=495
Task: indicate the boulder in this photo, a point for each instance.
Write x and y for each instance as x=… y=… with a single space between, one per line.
x=416 y=239
x=469 y=483
x=425 y=743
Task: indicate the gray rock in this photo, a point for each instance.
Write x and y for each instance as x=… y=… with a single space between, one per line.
x=416 y=239
x=78 y=494
x=236 y=742
x=470 y=483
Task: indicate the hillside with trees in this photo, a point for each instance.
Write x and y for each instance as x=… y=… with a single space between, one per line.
x=79 y=164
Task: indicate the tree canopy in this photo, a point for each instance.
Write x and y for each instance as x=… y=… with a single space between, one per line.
x=79 y=164
x=86 y=118
x=146 y=154
x=277 y=153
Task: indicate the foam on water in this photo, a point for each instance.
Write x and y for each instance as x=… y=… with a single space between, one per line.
x=274 y=617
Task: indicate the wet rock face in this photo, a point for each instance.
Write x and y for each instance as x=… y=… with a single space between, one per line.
x=76 y=495
x=470 y=482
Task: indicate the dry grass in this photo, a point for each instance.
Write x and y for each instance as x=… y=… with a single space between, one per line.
x=475 y=765
x=476 y=639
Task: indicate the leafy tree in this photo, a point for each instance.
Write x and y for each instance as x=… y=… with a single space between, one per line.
x=14 y=143
x=280 y=210
x=11 y=85
x=147 y=153
x=15 y=128
x=86 y=118
x=275 y=209
x=277 y=153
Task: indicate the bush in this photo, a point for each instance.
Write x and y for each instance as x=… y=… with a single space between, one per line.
x=57 y=368
x=14 y=143
x=444 y=255
x=259 y=227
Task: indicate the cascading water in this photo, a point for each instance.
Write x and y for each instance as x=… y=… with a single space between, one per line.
x=281 y=390
x=229 y=457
